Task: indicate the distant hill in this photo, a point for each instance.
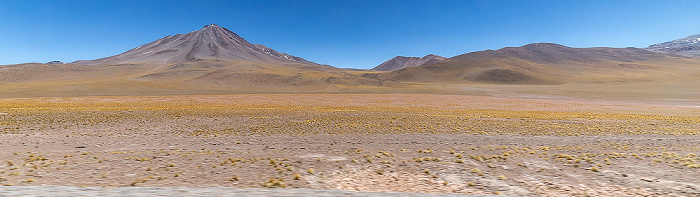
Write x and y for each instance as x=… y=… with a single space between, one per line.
x=546 y=63
x=400 y=62
x=54 y=62
x=210 y=42
x=688 y=46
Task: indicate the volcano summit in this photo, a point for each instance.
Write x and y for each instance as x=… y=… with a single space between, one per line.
x=212 y=41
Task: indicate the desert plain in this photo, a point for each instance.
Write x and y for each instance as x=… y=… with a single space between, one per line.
x=421 y=143
x=209 y=109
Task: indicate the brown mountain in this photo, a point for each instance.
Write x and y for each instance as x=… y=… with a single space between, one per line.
x=210 y=42
x=547 y=63
x=400 y=62
x=211 y=60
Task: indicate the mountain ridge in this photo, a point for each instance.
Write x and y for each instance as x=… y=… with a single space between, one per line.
x=400 y=62
x=687 y=46
x=544 y=63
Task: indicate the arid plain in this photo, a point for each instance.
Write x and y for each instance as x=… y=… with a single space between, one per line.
x=363 y=142
x=207 y=108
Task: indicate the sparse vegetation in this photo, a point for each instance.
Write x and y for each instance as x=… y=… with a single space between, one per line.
x=225 y=138
x=274 y=183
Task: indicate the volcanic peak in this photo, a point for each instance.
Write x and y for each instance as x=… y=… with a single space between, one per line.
x=210 y=42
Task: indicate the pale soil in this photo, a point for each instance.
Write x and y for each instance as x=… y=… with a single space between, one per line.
x=199 y=163
x=520 y=147
x=71 y=191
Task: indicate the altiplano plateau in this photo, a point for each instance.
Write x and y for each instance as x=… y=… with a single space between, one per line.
x=363 y=98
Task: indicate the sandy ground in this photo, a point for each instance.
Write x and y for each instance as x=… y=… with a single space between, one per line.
x=401 y=143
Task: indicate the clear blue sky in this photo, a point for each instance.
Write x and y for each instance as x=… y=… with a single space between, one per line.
x=347 y=33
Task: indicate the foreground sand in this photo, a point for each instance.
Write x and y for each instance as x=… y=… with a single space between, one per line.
x=407 y=143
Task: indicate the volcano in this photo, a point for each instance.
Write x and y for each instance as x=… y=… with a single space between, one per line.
x=210 y=42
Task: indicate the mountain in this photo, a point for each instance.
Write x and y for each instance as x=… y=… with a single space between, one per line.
x=210 y=42
x=212 y=60
x=548 y=63
x=688 y=46
x=400 y=62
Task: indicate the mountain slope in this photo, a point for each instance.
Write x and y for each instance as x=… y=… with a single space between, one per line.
x=211 y=41
x=400 y=62
x=202 y=76
x=688 y=46
x=546 y=63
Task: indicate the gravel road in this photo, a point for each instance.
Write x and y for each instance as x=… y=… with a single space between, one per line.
x=38 y=191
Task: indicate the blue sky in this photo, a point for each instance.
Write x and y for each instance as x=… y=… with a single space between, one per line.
x=347 y=34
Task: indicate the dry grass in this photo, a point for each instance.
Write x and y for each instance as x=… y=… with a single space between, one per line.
x=353 y=115
x=459 y=144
